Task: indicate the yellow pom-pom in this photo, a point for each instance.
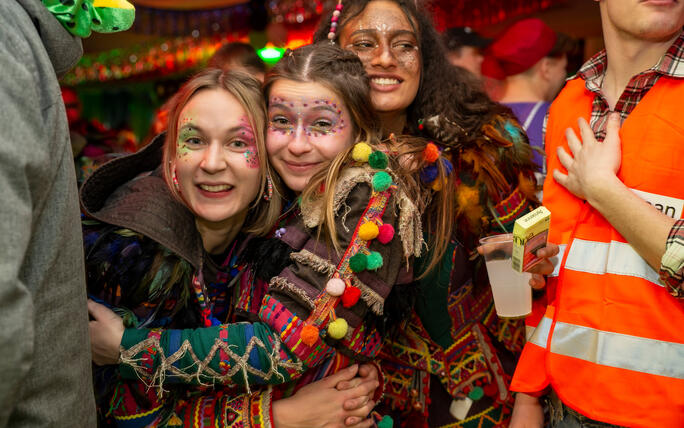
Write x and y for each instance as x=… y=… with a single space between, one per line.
x=361 y=152
x=338 y=328
x=368 y=231
x=309 y=334
x=437 y=185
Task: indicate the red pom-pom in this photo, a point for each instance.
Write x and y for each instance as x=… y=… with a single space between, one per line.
x=350 y=297
x=430 y=153
x=490 y=390
x=309 y=334
x=385 y=233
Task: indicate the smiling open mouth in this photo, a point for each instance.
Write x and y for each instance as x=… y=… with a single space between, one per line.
x=385 y=81
x=215 y=188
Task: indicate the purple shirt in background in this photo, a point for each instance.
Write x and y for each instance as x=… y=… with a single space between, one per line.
x=533 y=126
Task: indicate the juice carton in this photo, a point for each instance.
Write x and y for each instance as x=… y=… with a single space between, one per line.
x=530 y=233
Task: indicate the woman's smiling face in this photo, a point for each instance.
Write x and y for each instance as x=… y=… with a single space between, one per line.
x=216 y=164
x=387 y=44
x=308 y=125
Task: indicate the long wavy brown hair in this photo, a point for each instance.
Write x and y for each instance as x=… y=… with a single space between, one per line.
x=445 y=90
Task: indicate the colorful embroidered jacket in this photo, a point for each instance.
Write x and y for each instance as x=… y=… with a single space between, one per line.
x=144 y=259
x=454 y=356
x=319 y=291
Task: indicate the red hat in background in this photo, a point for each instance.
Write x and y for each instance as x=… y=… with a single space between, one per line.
x=518 y=48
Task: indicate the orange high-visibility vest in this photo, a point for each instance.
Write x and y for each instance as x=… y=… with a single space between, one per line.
x=611 y=343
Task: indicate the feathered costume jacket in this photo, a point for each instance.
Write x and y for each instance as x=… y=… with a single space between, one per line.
x=451 y=363
x=145 y=259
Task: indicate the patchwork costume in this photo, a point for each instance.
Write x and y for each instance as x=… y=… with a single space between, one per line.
x=314 y=319
x=454 y=351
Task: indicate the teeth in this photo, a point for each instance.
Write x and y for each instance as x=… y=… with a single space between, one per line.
x=217 y=188
x=385 y=81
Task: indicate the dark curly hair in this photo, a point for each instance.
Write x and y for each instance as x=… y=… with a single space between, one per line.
x=445 y=90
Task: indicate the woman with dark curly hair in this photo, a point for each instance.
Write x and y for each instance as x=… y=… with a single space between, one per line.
x=453 y=352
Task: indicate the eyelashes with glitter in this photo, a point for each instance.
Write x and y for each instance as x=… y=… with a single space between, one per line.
x=286 y=122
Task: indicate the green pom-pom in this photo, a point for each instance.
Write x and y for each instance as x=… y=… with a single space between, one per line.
x=386 y=422
x=381 y=181
x=378 y=160
x=476 y=393
x=373 y=260
x=358 y=262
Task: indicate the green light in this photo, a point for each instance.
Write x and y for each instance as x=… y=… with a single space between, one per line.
x=271 y=55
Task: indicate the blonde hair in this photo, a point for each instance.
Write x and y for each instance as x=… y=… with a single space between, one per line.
x=343 y=73
x=247 y=90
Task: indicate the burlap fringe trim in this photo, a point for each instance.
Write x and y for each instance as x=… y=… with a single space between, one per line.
x=238 y=363
x=280 y=283
x=312 y=213
x=410 y=226
x=374 y=301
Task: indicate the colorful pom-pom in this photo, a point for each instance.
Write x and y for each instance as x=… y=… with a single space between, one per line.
x=381 y=181
x=386 y=422
x=476 y=393
x=431 y=153
x=335 y=287
x=361 y=152
x=309 y=334
x=385 y=233
x=374 y=261
x=437 y=185
x=429 y=174
x=368 y=231
x=338 y=328
x=378 y=160
x=358 y=262
x=351 y=296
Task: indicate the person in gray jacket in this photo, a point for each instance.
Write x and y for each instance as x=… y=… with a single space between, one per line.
x=44 y=347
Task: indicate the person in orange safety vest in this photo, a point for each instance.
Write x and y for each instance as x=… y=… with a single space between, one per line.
x=610 y=346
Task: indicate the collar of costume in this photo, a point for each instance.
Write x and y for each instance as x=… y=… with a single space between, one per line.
x=81 y=17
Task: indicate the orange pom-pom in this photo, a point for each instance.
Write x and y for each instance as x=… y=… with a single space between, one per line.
x=430 y=153
x=309 y=334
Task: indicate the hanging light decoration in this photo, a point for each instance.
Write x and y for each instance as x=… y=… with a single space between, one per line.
x=180 y=54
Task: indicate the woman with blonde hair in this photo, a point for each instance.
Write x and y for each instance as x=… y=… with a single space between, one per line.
x=353 y=228
x=167 y=235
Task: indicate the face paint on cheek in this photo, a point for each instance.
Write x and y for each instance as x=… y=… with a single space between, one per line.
x=182 y=148
x=252 y=159
x=251 y=154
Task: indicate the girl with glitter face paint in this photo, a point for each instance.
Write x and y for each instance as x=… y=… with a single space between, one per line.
x=328 y=303
x=451 y=361
x=172 y=242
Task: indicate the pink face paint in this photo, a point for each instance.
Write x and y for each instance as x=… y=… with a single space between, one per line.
x=251 y=152
x=312 y=117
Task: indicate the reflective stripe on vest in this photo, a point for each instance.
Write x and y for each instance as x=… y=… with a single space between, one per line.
x=612 y=349
x=614 y=257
